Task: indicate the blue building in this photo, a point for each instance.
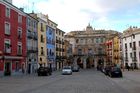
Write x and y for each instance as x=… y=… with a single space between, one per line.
x=50 y=36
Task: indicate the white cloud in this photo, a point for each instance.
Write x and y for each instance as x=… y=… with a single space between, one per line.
x=76 y=14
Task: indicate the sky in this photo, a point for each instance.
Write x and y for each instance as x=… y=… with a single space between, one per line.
x=71 y=15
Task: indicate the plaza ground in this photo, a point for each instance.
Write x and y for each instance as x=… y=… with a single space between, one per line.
x=85 y=81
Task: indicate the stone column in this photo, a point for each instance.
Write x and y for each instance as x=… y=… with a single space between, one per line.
x=104 y=61
x=84 y=62
x=75 y=61
x=95 y=62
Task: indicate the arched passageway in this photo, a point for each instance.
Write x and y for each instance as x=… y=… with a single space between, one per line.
x=79 y=62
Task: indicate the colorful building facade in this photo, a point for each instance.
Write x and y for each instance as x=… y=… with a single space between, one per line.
x=42 y=53
x=60 y=57
x=50 y=45
x=89 y=46
x=131 y=47
x=109 y=52
x=13 y=39
x=117 y=50
x=32 y=44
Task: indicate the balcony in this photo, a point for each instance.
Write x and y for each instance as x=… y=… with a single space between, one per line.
x=7 y=50
x=19 y=52
x=126 y=59
x=19 y=36
x=79 y=54
x=134 y=59
x=134 y=48
x=29 y=35
x=35 y=37
x=32 y=49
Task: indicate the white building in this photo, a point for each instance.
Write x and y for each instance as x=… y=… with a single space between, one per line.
x=131 y=47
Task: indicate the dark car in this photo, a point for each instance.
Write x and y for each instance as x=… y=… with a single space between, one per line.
x=115 y=72
x=106 y=70
x=75 y=69
x=44 y=71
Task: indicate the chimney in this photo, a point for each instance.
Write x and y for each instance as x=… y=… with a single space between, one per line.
x=22 y=9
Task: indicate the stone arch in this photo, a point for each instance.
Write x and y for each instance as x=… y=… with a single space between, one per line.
x=100 y=62
x=79 y=62
x=89 y=62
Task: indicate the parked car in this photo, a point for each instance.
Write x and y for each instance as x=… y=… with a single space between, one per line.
x=115 y=72
x=106 y=70
x=75 y=68
x=44 y=71
x=67 y=70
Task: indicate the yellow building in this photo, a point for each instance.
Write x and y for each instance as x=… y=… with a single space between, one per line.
x=116 y=50
x=42 y=54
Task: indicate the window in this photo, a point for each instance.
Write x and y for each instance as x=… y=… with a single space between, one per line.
x=130 y=45
x=133 y=36
x=42 y=27
x=101 y=40
x=97 y=40
x=79 y=51
x=7 y=45
x=59 y=32
x=19 y=48
x=19 y=32
x=81 y=40
x=139 y=55
x=40 y=59
x=139 y=43
x=134 y=45
x=42 y=39
x=50 y=53
x=135 y=57
x=17 y=66
x=42 y=52
x=7 y=12
x=50 y=31
x=19 y=18
x=125 y=46
x=126 y=56
x=130 y=55
x=35 y=25
x=47 y=51
x=7 y=28
x=90 y=51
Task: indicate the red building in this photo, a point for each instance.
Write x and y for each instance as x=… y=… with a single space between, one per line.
x=12 y=39
x=109 y=49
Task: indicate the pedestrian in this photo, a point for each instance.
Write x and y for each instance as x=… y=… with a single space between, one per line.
x=132 y=67
x=128 y=67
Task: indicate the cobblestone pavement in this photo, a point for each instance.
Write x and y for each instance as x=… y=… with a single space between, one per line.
x=130 y=81
x=85 y=81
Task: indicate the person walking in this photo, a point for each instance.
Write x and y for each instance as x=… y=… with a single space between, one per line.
x=128 y=67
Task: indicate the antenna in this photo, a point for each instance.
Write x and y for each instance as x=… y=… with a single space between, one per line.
x=33 y=7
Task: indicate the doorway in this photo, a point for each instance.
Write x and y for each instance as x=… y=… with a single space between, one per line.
x=7 y=71
x=29 y=68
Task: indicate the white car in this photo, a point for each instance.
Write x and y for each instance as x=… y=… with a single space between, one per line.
x=67 y=70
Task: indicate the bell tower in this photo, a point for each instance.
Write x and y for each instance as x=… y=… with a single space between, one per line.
x=89 y=28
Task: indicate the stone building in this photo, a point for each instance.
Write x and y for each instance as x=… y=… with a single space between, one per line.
x=88 y=46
